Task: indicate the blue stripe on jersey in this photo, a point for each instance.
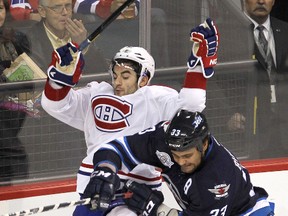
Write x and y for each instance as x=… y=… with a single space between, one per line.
x=84 y=173
x=122 y=152
x=154 y=185
x=85 y=6
x=19 y=2
x=266 y=210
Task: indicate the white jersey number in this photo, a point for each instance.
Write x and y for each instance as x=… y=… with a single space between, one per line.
x=219 y=212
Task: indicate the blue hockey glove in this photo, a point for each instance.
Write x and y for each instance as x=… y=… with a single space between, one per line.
x=144 y=200
x=205 y=46
x=101 y=188
x=61 y=70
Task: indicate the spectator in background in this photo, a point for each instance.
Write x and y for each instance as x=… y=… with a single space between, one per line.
x=24 y=10
x=271 y=52
x=28 y=9
x=280 y=9
x=57 y=29
x=13 y=157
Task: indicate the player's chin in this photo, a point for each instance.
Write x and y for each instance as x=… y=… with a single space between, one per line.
x=119 y=93
x=188 y=169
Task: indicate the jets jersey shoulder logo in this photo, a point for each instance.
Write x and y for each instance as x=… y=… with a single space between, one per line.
x=220 y=190
x=111 y=113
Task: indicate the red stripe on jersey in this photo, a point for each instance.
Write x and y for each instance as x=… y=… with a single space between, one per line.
x=195 y=80
x=55 y=94
x=90 y=166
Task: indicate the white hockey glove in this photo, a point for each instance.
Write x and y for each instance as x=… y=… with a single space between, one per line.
x=101 y=188
x=144 y=200
x=205 y=46
x=61 y=70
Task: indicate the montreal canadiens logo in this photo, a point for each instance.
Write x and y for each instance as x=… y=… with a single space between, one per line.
x=110 y=113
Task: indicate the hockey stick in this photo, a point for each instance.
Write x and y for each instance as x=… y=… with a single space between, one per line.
x=107 y=22
x=63 y=205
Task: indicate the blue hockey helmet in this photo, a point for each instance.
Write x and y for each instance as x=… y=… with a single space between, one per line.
x=186 y=130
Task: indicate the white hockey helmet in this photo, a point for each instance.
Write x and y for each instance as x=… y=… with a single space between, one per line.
x=142 y=57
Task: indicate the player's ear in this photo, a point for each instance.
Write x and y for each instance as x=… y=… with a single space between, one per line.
x=42 y=11
x=144 y=81
x=205 y=145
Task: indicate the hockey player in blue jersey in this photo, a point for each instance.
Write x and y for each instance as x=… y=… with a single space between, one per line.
x=204 y=176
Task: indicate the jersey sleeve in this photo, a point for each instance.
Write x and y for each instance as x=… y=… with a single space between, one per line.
x=193 y=94
x=67 y=105
x=133 y=150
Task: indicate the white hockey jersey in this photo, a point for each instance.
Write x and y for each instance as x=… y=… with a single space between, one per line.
x=102 y=116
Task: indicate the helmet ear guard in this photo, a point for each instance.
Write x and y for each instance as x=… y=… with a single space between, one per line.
x=139 y=56
x=187 y=130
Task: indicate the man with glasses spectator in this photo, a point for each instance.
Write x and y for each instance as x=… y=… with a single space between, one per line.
x=56 y=29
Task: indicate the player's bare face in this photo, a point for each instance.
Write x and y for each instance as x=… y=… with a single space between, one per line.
x=124 y=80
x=188 y=160
x=258 y=9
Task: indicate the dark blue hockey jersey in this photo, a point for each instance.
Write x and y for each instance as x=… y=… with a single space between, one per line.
x=220 y=186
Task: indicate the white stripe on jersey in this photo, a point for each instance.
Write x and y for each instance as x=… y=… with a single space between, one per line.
x=124 y=144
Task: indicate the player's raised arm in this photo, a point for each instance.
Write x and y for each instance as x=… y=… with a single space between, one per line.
x=64 y=73
x=200 y=64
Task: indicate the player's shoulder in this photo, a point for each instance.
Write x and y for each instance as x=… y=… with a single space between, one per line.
x=159 y=89
x=100 y=87
x=166 y=88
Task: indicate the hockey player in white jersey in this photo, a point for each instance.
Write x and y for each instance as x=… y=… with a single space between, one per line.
x=105 y=112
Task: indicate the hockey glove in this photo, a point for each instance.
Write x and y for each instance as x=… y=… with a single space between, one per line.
x=144 y=200
x=101 y=188
x=205 y=46
x=61 y=70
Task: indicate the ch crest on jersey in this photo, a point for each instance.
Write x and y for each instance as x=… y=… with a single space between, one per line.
x=111 y=113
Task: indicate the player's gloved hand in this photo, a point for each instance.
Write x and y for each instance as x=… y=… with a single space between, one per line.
x=101 y=188
x=144 y=200
x=205 y=46
x=66 y=65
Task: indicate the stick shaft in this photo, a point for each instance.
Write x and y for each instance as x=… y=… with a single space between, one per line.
x=55 y=206
x=104 y=25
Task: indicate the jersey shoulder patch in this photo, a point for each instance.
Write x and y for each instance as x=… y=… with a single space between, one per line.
x=164 y=158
